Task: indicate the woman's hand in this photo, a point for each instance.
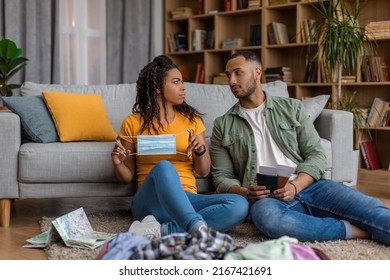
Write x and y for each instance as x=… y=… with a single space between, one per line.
x=193 y=144
x=119 y=154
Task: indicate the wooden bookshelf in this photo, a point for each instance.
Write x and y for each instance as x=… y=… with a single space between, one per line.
x=237 y=24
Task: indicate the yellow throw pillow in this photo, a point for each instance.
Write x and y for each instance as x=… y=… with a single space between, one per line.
x=79 y=117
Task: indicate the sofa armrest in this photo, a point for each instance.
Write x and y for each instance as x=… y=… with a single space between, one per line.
x=337 y=127
x=9 y=148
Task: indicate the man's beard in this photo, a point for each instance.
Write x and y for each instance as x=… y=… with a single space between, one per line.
x=251 y=88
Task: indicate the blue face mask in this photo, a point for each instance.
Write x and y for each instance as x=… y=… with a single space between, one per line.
x=164 y=144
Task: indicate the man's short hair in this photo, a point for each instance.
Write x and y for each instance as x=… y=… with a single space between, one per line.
x=248 y=55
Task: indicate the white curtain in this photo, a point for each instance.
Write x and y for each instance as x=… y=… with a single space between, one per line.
x=108 y=41
x=83 y=41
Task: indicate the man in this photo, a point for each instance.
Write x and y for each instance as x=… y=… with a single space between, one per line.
x=267 y=130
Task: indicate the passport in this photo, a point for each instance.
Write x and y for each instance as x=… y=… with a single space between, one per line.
x=273 y=177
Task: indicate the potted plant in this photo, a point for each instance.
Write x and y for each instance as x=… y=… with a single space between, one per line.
x=341 y=41
x=11 y=62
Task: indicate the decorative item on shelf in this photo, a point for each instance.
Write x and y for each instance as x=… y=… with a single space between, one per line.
x=11 y=62
x=341 y=41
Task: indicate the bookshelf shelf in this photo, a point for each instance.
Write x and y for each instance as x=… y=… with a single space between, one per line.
x=236 y=24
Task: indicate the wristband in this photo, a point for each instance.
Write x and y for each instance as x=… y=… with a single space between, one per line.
x=199 y=154
x=295 y=187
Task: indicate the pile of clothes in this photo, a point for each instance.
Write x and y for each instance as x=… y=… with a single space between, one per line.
x=205 y=245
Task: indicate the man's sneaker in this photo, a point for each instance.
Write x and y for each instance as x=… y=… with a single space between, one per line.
x=149 y=227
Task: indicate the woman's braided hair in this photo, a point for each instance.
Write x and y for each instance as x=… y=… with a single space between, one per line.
x=150 y=81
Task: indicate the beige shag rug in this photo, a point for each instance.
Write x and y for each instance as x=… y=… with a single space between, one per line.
x=119 y=221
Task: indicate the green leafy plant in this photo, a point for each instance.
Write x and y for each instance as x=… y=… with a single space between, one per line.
x=11 y=62
x=348 y=103
x=341 y=41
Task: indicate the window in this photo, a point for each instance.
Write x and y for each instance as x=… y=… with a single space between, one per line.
x=83 y=42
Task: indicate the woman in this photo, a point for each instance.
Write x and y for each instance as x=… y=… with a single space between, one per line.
x=167 y=201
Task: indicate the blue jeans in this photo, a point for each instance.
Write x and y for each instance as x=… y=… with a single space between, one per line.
x=323 y=211
x=161 y=195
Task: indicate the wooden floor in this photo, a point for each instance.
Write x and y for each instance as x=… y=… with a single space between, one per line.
x=26 y=214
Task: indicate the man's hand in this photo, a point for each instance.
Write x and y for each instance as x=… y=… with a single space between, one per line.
x=286 y=193
x=256 y=192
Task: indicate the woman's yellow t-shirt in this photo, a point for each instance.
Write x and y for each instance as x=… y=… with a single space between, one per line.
x=131 y=126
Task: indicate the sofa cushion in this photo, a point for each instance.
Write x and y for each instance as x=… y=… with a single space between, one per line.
x=219 y=99
x=118 y=99
x=34 y=116
x=79 y=117
x=315 y=105
x=66 y=162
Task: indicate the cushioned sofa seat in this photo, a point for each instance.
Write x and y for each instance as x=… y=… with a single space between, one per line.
x=66 y=162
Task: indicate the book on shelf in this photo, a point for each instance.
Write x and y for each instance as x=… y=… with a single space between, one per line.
x=181 y=12
x=383 y=69
x=274 y=177
x=200 y=75
x=253 y=4
x=199 y=39
x=271 y=34
x=377 y=112
x=242 y=4
x=181 y=41
x=307 y=30
x=200 y=7
x=228 y=5
x=255 y=35
x=378 y=30
x=282 y=73
x=370 y=154
x=311 y=72
x=375 y=69
x=387 y=117
x=210 y=39
x=277 y=33
x=277 y=2
x=233 y=43
x=220 y=79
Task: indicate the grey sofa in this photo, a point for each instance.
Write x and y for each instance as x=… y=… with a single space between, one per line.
x=83 y=169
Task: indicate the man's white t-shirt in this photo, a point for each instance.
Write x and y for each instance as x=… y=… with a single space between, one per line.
x=268 y=153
